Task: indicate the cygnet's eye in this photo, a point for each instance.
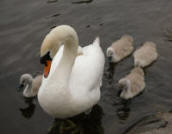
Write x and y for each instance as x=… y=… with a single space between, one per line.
x=111 y=53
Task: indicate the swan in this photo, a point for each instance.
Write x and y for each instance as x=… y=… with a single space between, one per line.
x=30 y=85
x=120 y=49
x=146 y=54
x=132 y=84
x=71 y=82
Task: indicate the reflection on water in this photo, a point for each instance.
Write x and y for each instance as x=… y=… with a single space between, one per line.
x=82 y=2
x=91 y=123
x=123 y=106
x=28 y=111
x=52 y=1
x=123 y=109
x=81 y=124
x=147 y=123
x=110 y=73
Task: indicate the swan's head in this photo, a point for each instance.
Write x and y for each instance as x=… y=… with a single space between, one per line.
x=58 y=36
x=25 y=80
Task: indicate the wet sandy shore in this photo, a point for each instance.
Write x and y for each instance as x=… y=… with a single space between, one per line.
x=24 y=24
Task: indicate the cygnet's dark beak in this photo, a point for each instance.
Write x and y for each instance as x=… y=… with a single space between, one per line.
x=20 y=88
x=118 y=86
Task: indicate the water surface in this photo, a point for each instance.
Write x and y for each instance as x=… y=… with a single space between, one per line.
x=24 y=25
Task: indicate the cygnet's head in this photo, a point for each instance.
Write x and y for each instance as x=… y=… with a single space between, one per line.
x=125 y=87
x=110 y=54
x=25 y=80
x=124 y=84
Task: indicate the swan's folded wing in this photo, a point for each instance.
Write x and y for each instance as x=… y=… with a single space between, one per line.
x=87 y=71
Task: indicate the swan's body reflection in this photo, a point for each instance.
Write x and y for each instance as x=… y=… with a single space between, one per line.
x=81 y=124
x=28 y=111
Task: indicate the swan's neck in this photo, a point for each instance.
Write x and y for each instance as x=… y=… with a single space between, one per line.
x=63 y=70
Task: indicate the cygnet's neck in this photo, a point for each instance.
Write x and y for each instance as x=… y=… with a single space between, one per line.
x=27 y=92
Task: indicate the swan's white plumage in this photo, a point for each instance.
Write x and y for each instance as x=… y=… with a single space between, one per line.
x=82 y=91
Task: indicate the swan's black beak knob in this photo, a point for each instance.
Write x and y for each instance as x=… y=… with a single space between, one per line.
x=45 y=58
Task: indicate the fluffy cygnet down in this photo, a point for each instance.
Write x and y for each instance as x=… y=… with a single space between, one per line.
x=30 y=85
x=132 y=84
x=120 y=49
x=146 y=54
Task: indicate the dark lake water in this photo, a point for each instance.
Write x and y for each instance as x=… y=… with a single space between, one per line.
x=23 y=25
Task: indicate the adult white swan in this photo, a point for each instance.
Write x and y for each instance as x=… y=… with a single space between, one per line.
x=71 y=85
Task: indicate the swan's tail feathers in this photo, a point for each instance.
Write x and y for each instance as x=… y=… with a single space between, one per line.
x=97 y=41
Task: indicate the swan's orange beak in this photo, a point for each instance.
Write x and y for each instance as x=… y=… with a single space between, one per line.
x=47 y=67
